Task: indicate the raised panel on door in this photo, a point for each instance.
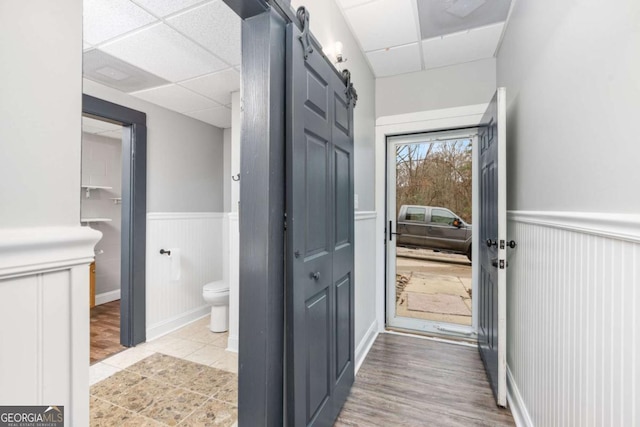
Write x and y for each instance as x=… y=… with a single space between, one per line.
x=319 y=285
x=493 y=264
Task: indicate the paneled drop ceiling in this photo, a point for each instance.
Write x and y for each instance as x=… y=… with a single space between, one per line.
x=404 y=36
x=183 y=55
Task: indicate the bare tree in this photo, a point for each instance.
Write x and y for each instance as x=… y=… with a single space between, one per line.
x=435 y=174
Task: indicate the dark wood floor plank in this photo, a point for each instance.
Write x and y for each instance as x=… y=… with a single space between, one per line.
x=105 y=331
x=407 y=381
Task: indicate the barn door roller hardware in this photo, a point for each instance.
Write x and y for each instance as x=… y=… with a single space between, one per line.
x=303 y=16
x=352 y=95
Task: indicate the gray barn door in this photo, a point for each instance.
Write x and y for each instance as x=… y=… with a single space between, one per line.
x=319 y=323
x=492 y=330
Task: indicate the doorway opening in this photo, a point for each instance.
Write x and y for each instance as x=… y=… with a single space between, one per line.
x=100 y=209
x=430 y=249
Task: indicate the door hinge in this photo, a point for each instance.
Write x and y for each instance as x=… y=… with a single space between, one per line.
x=285 y=221
x=501 y=244
x=502 y=263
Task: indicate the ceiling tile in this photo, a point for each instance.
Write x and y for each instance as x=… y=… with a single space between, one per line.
x=215 y=27
x=351 y=3
x=113 y=72
x=462 y=47
x=441 y=17
x=217 y=86
x=396 y=60
x=175 y=98
x=166 y=7
x=161 y=50
x=220 y=116
x=104 y=20
x=384 y=23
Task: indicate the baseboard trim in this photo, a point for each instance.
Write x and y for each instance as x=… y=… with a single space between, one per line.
x=610 y=225
x=365 y=345
x=176 y=322
x=106 y=297
x=516 y=403
x=232 y=343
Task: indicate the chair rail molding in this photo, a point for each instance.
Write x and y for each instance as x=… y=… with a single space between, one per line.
x=611 y=225
x=27 y=251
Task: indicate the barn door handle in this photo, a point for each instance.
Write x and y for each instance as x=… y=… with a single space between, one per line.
x=494 y=262
x=315 y=276
x=492 y=243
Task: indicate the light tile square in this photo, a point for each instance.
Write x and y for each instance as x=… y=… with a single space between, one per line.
x=163 y=8
x=128 y=357
x=217 y=86
x=104 y=20
x=206 y=355
x=164 y=52
x=214 y=26
x=466 y=46
x=396 y=60
x=175 y=98
x=384 y=23
x=101 y=371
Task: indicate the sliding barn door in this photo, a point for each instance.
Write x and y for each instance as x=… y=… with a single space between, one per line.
x=319 y=323
x=492 y=316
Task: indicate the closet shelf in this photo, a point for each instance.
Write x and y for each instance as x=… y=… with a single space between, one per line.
x=89 y=187
x=90 y=220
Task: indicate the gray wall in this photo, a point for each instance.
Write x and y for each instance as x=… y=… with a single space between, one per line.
x=454 y=86
x=184 y=156
x=102 y=165
x=572 y=70
x=40 y=110
x=329 y=26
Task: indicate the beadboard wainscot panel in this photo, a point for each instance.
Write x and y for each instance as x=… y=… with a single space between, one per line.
x=173 y=304
x=366 y=324
x=573 y=319
x=44 y=318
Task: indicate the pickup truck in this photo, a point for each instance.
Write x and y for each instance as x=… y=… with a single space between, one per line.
x=432 y=227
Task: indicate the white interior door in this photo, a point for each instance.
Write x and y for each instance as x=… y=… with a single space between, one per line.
x=492 y=296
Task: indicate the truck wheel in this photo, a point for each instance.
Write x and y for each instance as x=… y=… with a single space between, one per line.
x=469 y=253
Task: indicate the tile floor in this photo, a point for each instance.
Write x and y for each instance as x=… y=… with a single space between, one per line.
x=184 y=378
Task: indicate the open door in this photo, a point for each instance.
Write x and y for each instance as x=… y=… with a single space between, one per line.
x=320 y=234
x=492 y=327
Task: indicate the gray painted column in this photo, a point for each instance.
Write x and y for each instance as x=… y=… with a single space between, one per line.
x=261 y=346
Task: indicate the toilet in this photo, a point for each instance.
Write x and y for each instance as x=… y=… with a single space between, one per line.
x=216 y=294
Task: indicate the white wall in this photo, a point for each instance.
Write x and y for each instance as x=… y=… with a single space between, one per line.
x=102 y=165
x=571 y=71
x=44 y=253
x=328 y=26
x=572 y=319
x=40 y=106
x=454 y=86
x=226 y=180
x=184 y=156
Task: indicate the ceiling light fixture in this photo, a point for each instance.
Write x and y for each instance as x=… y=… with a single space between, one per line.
x=338 y=51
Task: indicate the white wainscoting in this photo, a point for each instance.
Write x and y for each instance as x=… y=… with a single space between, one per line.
x=574 y=319
x=44 y=318
x=366 y=325
x=172 y=304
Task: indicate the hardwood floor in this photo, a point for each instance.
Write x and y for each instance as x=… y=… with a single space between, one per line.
x=407 y=381
x=105 y=331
